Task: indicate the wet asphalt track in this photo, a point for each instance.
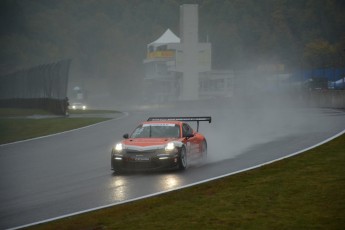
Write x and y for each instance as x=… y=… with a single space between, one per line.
x=70 y=172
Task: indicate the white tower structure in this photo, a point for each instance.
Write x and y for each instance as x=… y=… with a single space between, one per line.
x=189 y=45
x=179 y=68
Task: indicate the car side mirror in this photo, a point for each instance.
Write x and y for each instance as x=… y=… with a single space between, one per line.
x=189 y=135
x=126 y=136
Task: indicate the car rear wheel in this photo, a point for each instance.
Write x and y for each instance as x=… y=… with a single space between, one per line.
x=182 y=161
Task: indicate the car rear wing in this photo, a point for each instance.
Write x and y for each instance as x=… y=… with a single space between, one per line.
x=187 y=119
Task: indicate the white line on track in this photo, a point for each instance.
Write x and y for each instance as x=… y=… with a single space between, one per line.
x=182 y=187
x=125 y=114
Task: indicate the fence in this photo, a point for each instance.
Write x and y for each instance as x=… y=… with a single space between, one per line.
x=43 y=87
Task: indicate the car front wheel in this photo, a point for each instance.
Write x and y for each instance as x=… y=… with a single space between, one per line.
x=182 y=161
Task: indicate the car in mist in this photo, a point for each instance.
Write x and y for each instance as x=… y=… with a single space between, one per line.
x=160 y=143
x=78 y=106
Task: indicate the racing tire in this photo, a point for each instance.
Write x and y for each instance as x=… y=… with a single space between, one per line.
x=116 y=171
x=182 y=160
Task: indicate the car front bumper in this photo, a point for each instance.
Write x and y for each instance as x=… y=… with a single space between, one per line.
x=130 y=163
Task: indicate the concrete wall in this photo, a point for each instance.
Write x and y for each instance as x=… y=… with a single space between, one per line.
x=327 y=99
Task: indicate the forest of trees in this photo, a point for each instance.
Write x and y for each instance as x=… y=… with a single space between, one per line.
x=107 y=39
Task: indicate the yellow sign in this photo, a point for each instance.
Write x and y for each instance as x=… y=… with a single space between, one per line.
x=161 y=54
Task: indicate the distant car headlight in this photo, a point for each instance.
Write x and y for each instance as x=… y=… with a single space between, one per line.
x=84 y=107
x=170 y=146
x=119 y=147
x=73 y=107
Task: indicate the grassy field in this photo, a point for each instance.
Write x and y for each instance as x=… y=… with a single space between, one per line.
x=303 y=192
x=91 y=111
x=12 y=112
x=14 y=126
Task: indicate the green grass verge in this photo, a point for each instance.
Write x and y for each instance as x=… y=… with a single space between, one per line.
x=71 y=111
x=303 y=192
x=12 y=112
x=16 y=129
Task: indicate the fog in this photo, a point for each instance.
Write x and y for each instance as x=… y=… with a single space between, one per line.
x=240 y=123
x=107 y=43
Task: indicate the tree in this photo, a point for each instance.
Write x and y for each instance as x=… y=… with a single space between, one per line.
x=319 y=53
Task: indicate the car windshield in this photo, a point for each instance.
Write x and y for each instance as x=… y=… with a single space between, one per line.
x=156 y=131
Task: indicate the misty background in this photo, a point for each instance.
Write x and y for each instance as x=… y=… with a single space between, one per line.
x=106 y=40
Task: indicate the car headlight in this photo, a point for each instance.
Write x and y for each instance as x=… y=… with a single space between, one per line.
x=170 y=146
x=119 y=147
x=84 y=107
x=73 y=106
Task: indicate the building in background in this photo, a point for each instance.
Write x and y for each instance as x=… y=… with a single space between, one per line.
x=180 y=68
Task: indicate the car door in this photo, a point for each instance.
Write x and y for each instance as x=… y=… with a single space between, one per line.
x=191 y=142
